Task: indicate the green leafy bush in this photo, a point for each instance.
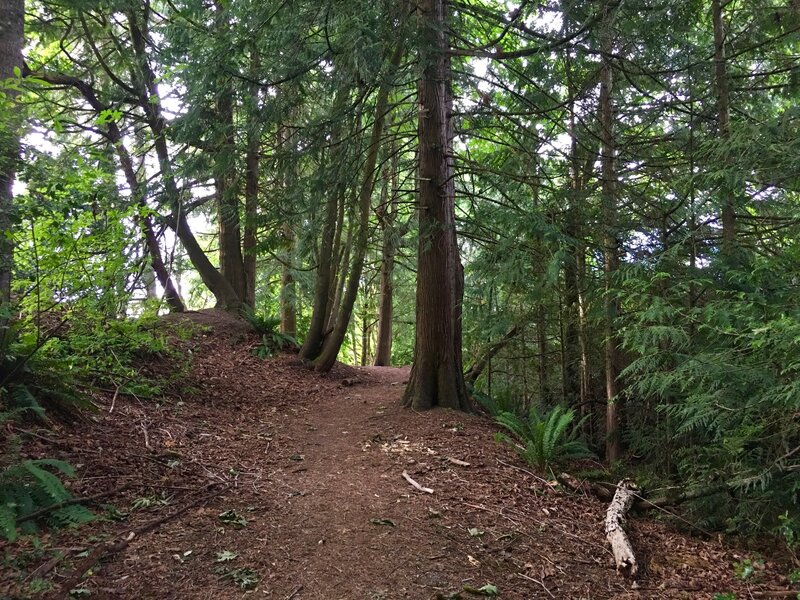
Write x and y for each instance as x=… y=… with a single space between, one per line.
x=544 y=439
x=715 y=389
x=267 y=326
x=496 y=403
x=27 y=487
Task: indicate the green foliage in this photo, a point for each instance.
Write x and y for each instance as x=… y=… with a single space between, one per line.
x=748 y=568
x=544 y=439
x=231 y=517
x=225 y=556
x=263 y=324
x=28 y=486
x=715 y=387
x=144 y=502
x=272 y=340
x=244 y=577
x=496 y=404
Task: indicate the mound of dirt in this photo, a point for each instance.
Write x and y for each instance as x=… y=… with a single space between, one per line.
x=262 y=478
x=217 y=323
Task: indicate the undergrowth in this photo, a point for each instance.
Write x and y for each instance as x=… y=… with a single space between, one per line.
x=715 y=393
x=54 y=368
x=539 y=438
x=33 y=487
x=267 y=326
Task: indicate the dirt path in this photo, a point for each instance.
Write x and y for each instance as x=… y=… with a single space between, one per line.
x=314 y=466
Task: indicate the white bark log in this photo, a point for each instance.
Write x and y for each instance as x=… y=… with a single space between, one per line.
x=616 y=518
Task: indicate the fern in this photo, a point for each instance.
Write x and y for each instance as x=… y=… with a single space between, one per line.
x=22 y=398
x=544 y=440
x=262 y=324
x=27 y=487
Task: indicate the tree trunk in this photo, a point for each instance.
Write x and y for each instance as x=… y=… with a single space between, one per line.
x=723 y=123
x=138 y=193
x=387 y=216
x=437 y=377
x=571 y=367
x=288 y=296
x=616 y=520
x=365 y=338
x=477 y=368
x=171 y=294
x=583 y=339
x=327 y=258
x=150 y=103
x=610 y=237
x=249 y=240
x=231 y=261
x=333 y=342
x=340 y=278
x=12 y=39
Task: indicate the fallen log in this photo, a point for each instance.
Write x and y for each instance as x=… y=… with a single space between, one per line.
x=617 y=537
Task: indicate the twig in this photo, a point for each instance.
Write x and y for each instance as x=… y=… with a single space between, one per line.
x=541 y=583
x=414 y=484
x=532 y=474
x=114 y=400
x=296 y=591
x=43 y=569
x=72 y=501
x=115 y=546
x=146 y=439
x=40 y=437
x=455 y=461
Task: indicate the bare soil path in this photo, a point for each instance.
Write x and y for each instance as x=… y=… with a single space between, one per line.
x=307 y=471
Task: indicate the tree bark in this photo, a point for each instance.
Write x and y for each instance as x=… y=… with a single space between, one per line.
x=722 y=83
x=231 y=261
x=171 y=294
x=437 y=377
x=137 y=189
x=333 y=342
x=288 y=295
x=229 y=227
x=340 y=277
x=365 y=327
x=327 y=258
x=477 y=368
x=610 y=237
x=150 y=103
x=249 y=239
x=387 y=216
x=12 y=40
x=617 y=537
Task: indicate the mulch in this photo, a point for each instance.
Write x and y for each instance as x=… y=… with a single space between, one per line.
x=261 y=473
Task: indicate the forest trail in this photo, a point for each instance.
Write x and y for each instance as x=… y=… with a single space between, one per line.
x=310 y=468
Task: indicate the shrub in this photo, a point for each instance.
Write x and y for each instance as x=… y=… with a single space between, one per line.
x=28 y=486
x=267 y=326
x=544 y=439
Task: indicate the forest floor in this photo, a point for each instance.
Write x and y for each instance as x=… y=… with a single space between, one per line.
x=267 y=475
